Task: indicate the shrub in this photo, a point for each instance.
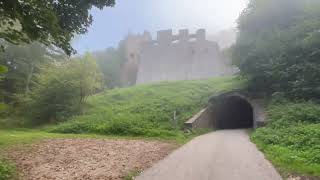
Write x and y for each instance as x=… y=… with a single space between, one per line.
x=119 y=127
x=6 y=170
x=61 y=90
x=291 y=140
x=291 y=113
x=277 y=48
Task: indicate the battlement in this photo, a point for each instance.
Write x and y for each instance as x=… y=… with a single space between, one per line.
x=181 y=56
x=165 y=37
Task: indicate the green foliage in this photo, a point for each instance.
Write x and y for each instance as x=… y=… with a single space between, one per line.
x=306 y=112
x=3 y=107
x=291 y=140
x=62 y=89
x=7 y=171
x=146 y=110
x=23 y=63
x=49 y=22
x=131 y=175
x=13 y=137
x=278 y=47
x=3 y=69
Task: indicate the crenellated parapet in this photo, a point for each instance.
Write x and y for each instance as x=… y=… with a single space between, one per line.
x=182 y=56
x=166 y=37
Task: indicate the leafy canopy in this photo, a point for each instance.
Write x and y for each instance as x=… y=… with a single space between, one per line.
x=278 y=47
x=50 y=22
x=62 y=89
x=22 y=63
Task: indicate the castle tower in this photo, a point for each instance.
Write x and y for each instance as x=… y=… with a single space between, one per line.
x=183 y=56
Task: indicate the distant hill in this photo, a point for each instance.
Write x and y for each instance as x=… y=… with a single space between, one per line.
x=225 y=38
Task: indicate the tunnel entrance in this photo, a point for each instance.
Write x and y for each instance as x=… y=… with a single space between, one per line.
x=234 y=112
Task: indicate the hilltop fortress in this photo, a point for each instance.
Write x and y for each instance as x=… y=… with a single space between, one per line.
x=176 y=57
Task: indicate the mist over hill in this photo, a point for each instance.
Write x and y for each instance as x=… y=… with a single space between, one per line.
x=225 y=38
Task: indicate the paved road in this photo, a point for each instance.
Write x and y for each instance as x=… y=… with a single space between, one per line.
x=221 y=155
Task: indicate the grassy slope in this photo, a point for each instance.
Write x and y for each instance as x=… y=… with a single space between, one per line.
x=292 y=139
x=146 y=110
x=10 y=138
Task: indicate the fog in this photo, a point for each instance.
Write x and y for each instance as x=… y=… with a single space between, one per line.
x=112 y=24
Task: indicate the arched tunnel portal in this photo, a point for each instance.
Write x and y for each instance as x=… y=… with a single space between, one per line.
x=233 y=112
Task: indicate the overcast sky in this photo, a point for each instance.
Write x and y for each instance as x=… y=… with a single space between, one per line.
x=113 y=24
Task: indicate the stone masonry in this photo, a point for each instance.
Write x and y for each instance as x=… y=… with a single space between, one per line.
x=181 y=57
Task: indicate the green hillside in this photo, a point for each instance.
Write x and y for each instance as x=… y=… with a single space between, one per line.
x=291 y=140
x=146 y=110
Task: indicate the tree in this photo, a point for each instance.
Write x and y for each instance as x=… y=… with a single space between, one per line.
x=61 y=89
x=23 y=62
x=88 y=75
x=46 y=21
x=278 y=47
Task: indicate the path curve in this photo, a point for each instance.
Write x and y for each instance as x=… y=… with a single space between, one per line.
x=221 y=155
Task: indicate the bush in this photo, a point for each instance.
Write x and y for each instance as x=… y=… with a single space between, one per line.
x=61 y=90
x=119 y=127
x=291 y=140
x=7 y=170
x=289 y=114
x=278 y=47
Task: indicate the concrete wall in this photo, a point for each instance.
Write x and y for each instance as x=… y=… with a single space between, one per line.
x=259 y=115
x=202 y=119
x=206 y=117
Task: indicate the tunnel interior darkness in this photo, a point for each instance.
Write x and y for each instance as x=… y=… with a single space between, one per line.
x=234 y=112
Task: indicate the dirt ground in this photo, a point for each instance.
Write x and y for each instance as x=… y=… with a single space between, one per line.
x=75 y=159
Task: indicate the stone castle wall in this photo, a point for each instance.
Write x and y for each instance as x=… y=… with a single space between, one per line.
x=180 y=57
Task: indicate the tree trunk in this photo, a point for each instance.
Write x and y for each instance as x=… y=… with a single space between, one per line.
x=29 y=77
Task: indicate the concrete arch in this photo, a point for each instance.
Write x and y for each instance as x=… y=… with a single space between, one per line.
x=230 y=111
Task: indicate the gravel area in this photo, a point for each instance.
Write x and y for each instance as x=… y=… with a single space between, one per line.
x=75 y=159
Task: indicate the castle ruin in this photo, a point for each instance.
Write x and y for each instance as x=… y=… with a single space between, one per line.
x=178 y=57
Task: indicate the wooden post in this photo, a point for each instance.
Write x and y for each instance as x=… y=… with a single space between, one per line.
x=175 y=124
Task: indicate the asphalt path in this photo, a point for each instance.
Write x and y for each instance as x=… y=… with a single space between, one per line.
x=220 y=155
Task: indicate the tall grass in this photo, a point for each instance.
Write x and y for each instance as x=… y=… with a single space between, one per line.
x=146 y=110
x=292 y=138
